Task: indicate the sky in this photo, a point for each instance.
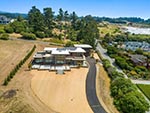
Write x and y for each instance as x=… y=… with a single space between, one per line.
x=107 y=8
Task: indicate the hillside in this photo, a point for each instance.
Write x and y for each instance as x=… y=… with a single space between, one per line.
x=13 y=15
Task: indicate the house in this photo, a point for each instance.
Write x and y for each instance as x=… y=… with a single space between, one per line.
x=133 y=45
x=59 y=58
x=139 y=60
x=86 y=47
x=4 y=20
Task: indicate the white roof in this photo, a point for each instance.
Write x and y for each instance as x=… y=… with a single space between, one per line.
x=77 y=50
x=83 y=45
x=49 y=49
x=46 y=55
x=60 y=52
x=64 y=51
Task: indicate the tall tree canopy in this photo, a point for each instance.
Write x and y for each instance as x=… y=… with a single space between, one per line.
x=66 y=16
x=89 y=31
x=36 y=20
x=73 y=18
x=60 y=16
x=48 y=17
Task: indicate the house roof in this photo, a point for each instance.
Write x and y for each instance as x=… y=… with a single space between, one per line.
x=138 y=58
x=60 y=52
x=65 y=50
x=76 y=50
x=83 y=46
x=49 y=49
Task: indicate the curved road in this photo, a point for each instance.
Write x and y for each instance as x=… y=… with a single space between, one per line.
x=91 y=88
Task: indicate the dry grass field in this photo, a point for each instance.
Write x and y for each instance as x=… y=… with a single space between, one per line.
x=18 y=97
x=43 y=91
x=11 y=52
x=62 y=93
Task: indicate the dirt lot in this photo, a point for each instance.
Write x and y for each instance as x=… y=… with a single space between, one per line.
x=62 y=93
x=50 y=93
x=11 y=52
x=23 y=100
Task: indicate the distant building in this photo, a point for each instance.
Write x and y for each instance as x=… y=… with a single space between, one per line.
x=133 y=45
x=4 y=20
x=139 y=60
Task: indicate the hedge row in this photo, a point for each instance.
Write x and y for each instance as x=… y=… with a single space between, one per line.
x=17 y=67
x=113 y=74
x=127 y=98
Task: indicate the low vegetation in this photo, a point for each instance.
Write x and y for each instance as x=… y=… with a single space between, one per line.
x=29 y=36
x=4 y=36
x=17 y=67
x=145 y=89
x=127 y=99
x=123 y=60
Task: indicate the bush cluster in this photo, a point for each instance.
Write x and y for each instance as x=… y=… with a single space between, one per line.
x=4 y=36
x=17 y=67
x=111 y=70
x=127 y=99
x=29 y=36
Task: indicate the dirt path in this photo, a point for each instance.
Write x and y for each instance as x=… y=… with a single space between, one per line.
x=62 y=93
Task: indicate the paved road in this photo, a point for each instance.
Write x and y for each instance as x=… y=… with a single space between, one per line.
x=112 y=61
x=146 y=82
x=91 y=88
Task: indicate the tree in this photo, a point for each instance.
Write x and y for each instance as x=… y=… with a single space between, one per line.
x=132 y=102
x=73 y=18
x=60 y=16
x=36 y=19
x=112 y=50
x=89 y=31
x=66 y=16
x=72 y=35
x=29 y=36
x=8 y=29
x=19 y=26
x=121 y=86
x=40 y=34
x=48 y=18
x=20 y=18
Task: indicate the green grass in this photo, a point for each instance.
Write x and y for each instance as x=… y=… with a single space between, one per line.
x=112 y=29
x=145 y=89
x=55 y=40
x=2 y=28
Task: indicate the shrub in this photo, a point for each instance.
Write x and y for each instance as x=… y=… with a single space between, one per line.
x=127 y=98
x=48 y=33
x=2 y=31
x=4 y=36
x=40 y=34
x=5 y=82
x=69 y=44
x=29 y=36
x=8 y=29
